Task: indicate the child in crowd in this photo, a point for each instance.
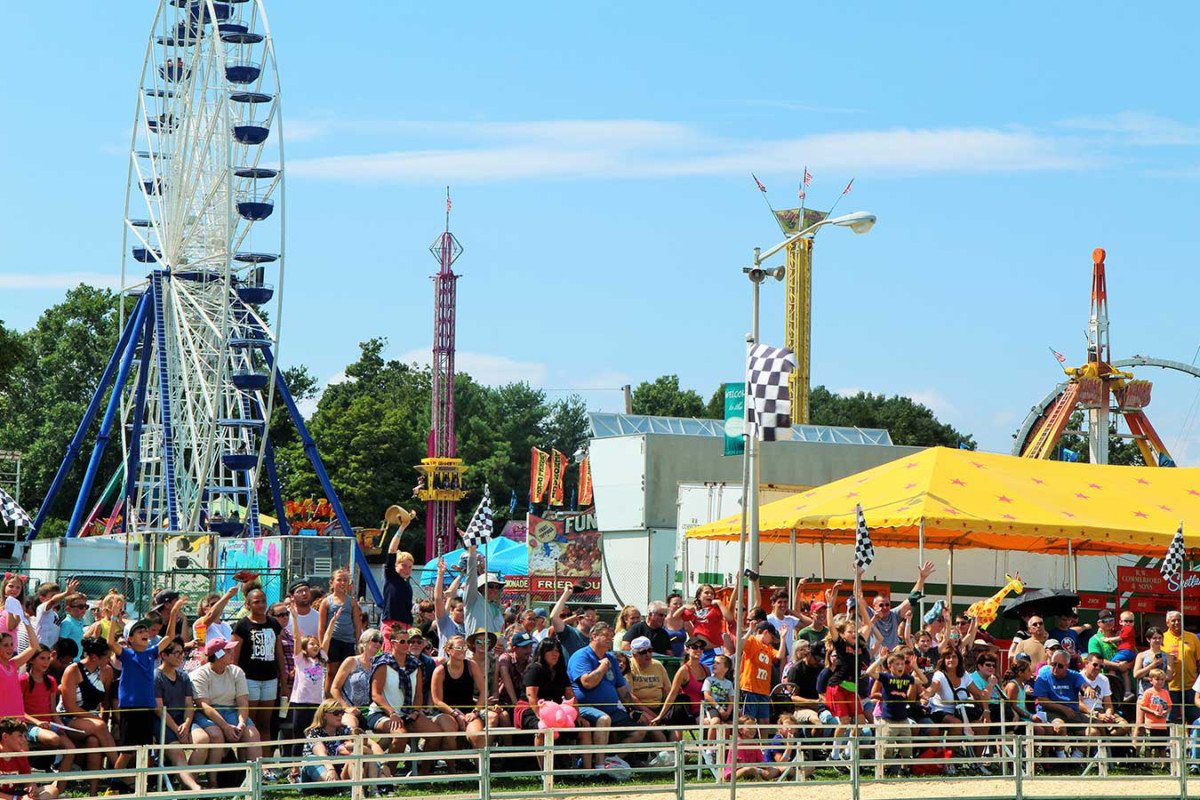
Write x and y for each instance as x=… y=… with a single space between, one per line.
x=717 y=708
x=1154 y=707
x=45 y=618
x=14 y=603
x=1126 y=650
x=311 y=660
x=13 y=762
x=72 y=625
x=749 y=753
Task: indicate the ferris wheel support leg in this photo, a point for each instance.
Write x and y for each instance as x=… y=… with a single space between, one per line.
x=76 y=443
x=110 y=413
x=135 y=435
x=273 y=481
x=310 y=449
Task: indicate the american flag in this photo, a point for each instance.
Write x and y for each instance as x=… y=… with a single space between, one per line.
x=807 y=177
x=1061 y=358
x=848 y=185
x=447 y=201
x=1172 y=563
x=758 y=183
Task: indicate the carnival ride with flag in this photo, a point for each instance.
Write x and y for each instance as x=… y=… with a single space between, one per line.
x=194 y=374
x=1101 y=387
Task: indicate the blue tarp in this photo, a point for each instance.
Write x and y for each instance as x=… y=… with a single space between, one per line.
x=503 y=556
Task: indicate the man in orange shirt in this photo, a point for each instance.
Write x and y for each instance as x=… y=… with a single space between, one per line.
x=759 y=652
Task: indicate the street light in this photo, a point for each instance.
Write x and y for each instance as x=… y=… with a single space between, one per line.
x=857 y=221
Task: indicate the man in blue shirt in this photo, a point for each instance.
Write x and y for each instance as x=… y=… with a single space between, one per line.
x=600 y=688
x=1058 y=689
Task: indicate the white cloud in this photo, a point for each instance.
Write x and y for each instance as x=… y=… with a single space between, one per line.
x=1139 y=128
x=58 y=280
x=635 y=149
x=490 y=370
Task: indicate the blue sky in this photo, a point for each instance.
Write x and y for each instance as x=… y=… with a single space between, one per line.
x=600 y=159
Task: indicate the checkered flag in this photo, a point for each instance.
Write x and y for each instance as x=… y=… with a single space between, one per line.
x=769 y=404
x=864 y=551
x=480 y=530
x=12 y=513
x=1172 y=563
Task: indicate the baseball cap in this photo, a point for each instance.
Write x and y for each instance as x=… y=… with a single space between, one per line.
x=141 y=623
x=817 y=606
x=694 y=642
x=640 y=644
x=215 y=647
x=1105 y=614
x=166 y=596
x=763 y=626
x=521 y=639
x=1051 y=644
x=297 y=584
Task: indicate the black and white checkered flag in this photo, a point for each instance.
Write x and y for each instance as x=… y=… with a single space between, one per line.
x=768 y=401
x=480 y=530
x=864 y=551
x=1172 y=563
x=12 y=513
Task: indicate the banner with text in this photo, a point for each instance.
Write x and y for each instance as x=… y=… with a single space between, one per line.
x=564 y=551
x=735 y=418
x=1148 y=580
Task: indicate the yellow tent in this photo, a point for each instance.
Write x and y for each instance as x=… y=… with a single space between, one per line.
x=943 y=498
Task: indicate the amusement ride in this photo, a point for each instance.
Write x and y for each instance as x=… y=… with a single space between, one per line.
x=194 y=373
x=1102 y=387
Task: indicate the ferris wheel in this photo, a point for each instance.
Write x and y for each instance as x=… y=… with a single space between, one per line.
x=203 y=259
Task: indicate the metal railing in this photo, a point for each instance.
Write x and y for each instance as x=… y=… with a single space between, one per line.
x=1017 y=763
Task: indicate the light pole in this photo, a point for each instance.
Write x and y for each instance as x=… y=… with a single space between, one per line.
x=857 y=221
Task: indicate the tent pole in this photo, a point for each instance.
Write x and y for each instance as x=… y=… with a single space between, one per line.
x=1073 y=565
x=792 y=598
x=920 y=561
x=822 y=560
x=950 y=583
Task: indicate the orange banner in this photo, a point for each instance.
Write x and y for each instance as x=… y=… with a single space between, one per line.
x=539 y=476
x=585 y=482
x=558 y=474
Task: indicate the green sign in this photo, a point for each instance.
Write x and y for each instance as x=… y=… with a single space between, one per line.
x=735 y=418
x=790 y=222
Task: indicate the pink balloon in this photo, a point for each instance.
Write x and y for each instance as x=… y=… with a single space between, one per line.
x=556 y=715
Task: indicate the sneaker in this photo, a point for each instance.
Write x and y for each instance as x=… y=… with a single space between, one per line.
x=1129 y=696
x=270 y=776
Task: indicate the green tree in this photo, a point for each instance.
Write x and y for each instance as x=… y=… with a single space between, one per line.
x=716 y=404
x=664 y=398
x=51 y=379
x=908 y=422
x=1121 y=451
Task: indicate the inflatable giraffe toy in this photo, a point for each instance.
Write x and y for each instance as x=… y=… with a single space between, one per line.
x=985 y=610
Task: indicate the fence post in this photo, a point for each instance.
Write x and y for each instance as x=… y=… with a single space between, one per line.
x=548 y=760
x=356 y=791
x=485 y=768
x=141 y=761
x=855 y=758
x=1018 y=767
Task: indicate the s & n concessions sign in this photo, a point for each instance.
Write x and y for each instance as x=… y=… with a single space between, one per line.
x=563 y=551
x=1148 y=580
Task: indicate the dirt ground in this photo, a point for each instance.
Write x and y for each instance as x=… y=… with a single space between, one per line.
x=1141 y=788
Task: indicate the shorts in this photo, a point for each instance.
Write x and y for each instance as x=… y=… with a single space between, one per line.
x=621 y=718
x=937 y=716
x=201 y=720
x=1124 y=655
x=592 y=715
x=756 y=705
x=843 y=703
x=377 y=717
x=31 y=734
x=311 y=773
x=137 y=726
x=681 y=714
x=263 y=690
x=340 y=651
x=1055 y=716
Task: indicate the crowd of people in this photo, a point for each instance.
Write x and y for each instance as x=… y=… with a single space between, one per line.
x=455 y=665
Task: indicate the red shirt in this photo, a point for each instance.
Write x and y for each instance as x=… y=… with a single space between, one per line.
x=39 y=701
x=13 y=765
x=706 y=622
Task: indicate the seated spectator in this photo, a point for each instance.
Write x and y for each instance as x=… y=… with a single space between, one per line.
x=546 y=681
x=717 y=708
x=352 y=684
x=1097 y=704
x=749 y=753
x=809 y=703
x=39 y=690
x=86 y=685
x=652 y=628
x=1058 y=689
x=649 y=682
x=682 y=704
x=327 y=737
x=601 y=688
x=512 y=666
x=397 y=704
x=223 y=700
x=66 y=652
x=14 y=763
x=457 y=691
x=175 y=699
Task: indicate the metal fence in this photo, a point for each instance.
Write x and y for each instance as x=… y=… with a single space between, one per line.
x=1011 y=763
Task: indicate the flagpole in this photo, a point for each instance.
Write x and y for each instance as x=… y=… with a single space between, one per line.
x=845 y=191
x=767 y=200
x=738 y=613
x=1183 y=687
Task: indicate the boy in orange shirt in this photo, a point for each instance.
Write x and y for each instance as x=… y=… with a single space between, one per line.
x=759 y=652
x=1154 y=706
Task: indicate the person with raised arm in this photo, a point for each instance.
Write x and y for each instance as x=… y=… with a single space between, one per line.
x=449 y=614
